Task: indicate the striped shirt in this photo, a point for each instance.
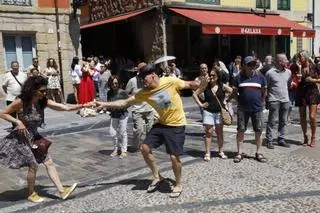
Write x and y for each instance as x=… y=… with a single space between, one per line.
x=250 y=91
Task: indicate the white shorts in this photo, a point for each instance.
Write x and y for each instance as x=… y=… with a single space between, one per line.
x=210 y=118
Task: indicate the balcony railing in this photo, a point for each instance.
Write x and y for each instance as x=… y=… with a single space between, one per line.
x=16 y=2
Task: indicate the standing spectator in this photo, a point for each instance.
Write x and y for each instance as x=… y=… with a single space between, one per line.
x=54 y=86
x=12 y=84
x=105 y=74
x=222 y=69
x=96 y=75
x=307 y=95
x=34 y=65
x=214 y=95
x=119 y=118
x=141 y=113
x=293 y=87
x=278 y=83
x=175 y=70
x=234 y=69
x=86 y=87
x=267 y=64
x=33 y=72
x=76 y=74
x=203 y=74
x=250 y=87
x=168 y=72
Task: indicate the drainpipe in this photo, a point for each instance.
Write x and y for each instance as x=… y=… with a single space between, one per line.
x=59 y=44
x=313 y=17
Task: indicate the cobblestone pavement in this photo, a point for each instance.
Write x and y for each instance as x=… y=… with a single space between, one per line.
x=288 y=182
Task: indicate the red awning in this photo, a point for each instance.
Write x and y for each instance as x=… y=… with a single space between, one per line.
x=116 y=18
x=236 y=23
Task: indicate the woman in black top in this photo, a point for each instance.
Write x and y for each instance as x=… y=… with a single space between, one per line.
x=211 y=116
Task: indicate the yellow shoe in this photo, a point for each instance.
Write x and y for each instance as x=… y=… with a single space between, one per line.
x=34 y=197
x=67 y=191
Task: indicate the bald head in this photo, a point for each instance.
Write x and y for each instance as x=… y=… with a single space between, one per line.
x=141 y=65
x=281 y=60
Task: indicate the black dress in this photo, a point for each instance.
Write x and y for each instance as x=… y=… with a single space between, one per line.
x=307 y=93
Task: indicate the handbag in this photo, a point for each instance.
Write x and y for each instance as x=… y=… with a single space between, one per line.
x=40 y=148
x=225 y=114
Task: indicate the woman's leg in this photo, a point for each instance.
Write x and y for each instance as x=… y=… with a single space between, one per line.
x=75 y=92
x=122 y=133
x=31 y=179
x=113 y=133
x=313 y=121
x=208 y=138
x=219 y=132
x=53 y=175
x=303 y=122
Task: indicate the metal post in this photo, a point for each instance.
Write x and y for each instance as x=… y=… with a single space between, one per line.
x=313 y=18
x=59 y=45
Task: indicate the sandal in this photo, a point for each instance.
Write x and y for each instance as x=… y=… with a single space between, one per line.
x=155 y=184
x=175 y=194
x=222 y=155
x=261 y=158
x=207 y=157
x=238 y=158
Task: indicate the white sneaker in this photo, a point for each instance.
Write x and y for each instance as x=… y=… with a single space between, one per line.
x=114 y=153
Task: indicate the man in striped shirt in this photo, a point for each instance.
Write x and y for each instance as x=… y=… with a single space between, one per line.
x=250 y=87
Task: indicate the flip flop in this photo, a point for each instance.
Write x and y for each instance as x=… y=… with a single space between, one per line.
x=154 y=185
x=175 y=194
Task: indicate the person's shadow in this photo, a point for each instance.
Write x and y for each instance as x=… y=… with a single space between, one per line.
x=142 y=184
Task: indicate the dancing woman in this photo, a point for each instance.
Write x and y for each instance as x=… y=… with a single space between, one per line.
x=16 y=149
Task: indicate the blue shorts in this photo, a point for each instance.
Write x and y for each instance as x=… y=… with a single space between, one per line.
x=211 y=118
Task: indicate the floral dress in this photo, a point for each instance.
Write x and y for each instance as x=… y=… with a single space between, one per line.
x=53 y=78
x=15 y=149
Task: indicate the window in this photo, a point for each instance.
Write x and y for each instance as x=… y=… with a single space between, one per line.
x=16 y=2
x=263 y=4
x=216 y=2
x=299 y=44
x=283 y=4
x=19 y=48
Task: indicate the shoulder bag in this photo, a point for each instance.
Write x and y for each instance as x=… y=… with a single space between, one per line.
x=225 y=114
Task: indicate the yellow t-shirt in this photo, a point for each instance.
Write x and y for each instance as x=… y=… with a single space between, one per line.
x=165 y=99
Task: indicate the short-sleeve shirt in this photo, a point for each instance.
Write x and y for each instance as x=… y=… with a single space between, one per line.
x=13 y=87
x=250 y=91
x=278 y=84
x=165 y=99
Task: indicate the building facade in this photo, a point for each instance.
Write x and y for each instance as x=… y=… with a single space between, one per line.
x=196 y=30
x=28 y=28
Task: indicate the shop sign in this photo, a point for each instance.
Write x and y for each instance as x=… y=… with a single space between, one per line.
x=246 y=30
x=102 y=9
x=204 y=1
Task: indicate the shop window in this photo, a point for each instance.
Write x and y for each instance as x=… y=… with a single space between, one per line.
x=299 y=44
x=283 y=4
x=16 y=2
x=263 y=4
x=19 y=48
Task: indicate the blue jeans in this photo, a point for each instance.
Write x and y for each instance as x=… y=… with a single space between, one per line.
x=277 y=111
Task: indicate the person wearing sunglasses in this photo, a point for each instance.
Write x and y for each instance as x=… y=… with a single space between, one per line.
x=17 y=149
x=214 y=95
x=119 y=118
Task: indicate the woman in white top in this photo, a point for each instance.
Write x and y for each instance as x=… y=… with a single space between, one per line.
x=52 y=74
x=76 y=74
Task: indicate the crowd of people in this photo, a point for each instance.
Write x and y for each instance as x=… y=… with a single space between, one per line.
x=275 y=84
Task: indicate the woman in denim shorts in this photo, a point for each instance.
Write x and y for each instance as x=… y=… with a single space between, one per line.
x=211 y=114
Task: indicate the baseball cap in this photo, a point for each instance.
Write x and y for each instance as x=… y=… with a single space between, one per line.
x=145 y=70
x=249 y=59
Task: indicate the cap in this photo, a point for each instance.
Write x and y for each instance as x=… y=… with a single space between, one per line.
x=249 y=59
x=149 y=68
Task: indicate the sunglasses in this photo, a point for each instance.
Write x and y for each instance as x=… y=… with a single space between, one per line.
x=213 y=76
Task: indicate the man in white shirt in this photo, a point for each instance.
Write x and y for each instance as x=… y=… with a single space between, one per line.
x=34 y=65
x=12 y=83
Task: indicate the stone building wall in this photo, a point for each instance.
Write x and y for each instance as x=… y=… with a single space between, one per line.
x=41 y=22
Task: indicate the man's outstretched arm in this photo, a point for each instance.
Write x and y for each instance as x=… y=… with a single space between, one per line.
x=119 y=104
x=203 y=83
